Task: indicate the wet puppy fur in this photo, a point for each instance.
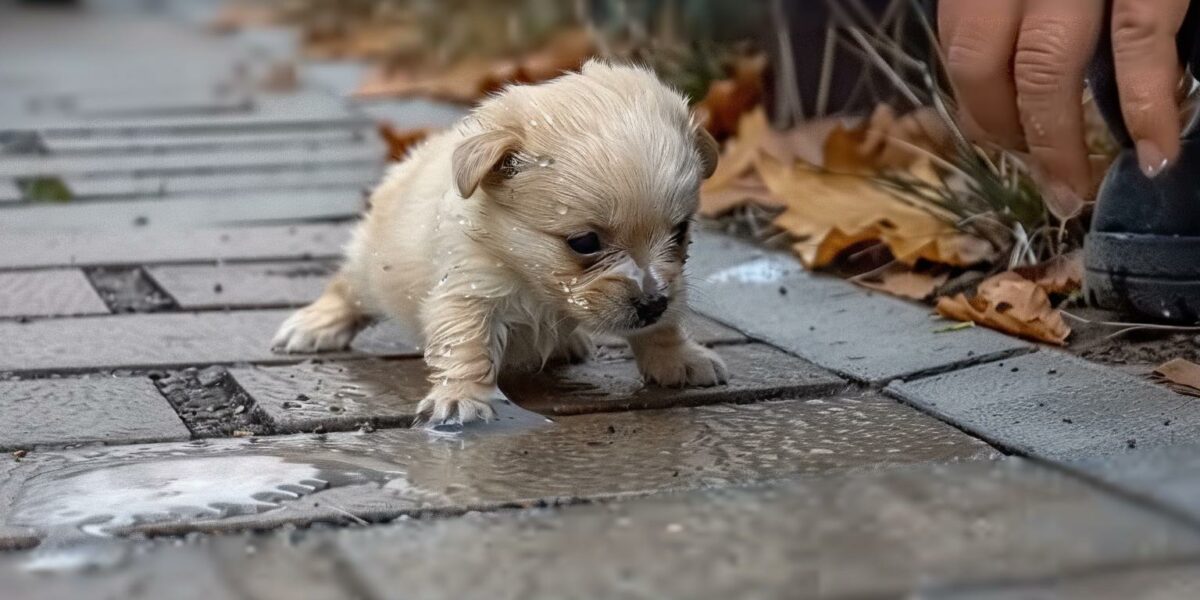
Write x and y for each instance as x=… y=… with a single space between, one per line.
x=553 y=212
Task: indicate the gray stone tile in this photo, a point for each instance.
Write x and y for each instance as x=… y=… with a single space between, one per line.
x=48 y=293
x=144 y=340
x=149 y=246
x=868 y=535
x=336 y=396
x=125 y=143
x=757 y=372
x=344 y=395
x=315 y=111
x=9 y=191
x=1056 y=406
x=71 y=411
x=198 y=162
x=184 y=573
x=327 y=177
x=247 y=284
x=836 y=325
x=1167 y=582
x=1168 y=476
x=211 y=209
x=264 y=482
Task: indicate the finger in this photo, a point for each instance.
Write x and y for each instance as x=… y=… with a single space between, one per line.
x=1056 y=42
x=979 y=39
x=1148 y=73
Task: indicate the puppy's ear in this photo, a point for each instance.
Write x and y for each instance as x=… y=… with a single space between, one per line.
x=709 y=151
x=477 y=157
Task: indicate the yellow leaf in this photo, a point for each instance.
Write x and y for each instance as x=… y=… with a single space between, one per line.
x=1012 y=304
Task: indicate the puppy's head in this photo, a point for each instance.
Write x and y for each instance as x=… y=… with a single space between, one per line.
x=586 y=186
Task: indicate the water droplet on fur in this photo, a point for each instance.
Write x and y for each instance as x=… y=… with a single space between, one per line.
x=562 y=209
x=442 y=281
x=574 y=280
x=544 y=161
x=533 y=123
x=474 y=286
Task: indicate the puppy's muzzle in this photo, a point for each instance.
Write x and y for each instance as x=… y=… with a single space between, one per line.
x=650 y=308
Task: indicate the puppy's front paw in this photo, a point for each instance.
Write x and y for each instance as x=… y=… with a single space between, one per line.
x=458 y=403
x=688 y=364
x=315 y=328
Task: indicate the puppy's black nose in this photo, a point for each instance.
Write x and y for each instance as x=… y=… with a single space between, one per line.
x=650 y=308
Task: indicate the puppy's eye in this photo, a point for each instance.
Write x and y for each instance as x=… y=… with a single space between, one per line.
x=584 y=243
x=679 y=236
x=509 y=166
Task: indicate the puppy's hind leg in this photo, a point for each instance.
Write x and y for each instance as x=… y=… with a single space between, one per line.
x=329 y=323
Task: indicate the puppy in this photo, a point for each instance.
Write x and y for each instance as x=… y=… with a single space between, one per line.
x=553 y=212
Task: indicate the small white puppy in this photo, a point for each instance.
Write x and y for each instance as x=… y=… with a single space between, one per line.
x=552 y=212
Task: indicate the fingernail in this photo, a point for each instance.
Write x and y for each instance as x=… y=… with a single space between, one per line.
x=1151 y=159
x=1062 y=201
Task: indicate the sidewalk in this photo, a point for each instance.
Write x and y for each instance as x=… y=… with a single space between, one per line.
x=160 y=214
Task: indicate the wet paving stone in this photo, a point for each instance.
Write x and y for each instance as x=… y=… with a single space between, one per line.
x=346 y=395
x=245 y=285
x=522 y=460
x=156 y=340
x=59 y=412
x=882 y=534
x=1056 y=406
x=184 y=573
x=119 y=143
x=834 y=324
x=199 y=162
x=211 y=403
x=337 y=396
x=128 y=289
x=149 y=246
x=757 y=372
x=48 y=293
x=134 y=217
x=1166 y=582
x=327 y=177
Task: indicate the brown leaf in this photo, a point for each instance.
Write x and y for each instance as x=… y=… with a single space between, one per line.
x=1180 y=372
x=234 y=17
x=471 y=78
x=1062 y=274
x=899 y=281
x=747 y=190
x=398 y=141
x=1012 y=304
x=721 y=109
x=830 y=212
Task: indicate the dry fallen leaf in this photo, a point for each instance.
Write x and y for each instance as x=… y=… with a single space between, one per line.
x=1012 y=304
x=234 y=17
x=899 y=281
x=400 y=141
x=830 y=212
x=471 y=78
x=747 y=190
x=728 y=99
x=1060 y=275
x=1182 y=373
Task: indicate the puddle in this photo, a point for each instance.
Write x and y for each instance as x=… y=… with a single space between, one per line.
x=765 y=270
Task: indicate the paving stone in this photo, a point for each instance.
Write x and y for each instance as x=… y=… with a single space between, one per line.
x=173 y=103
x=328 y=176
x=198 y=162
x=184 y=573
x=247 y=284
x=266 y=482
x=9 y=192
x=336 y=396
x=199 y=141
x=757 y=372
x=1168 y=476
x=48 y=293
x=210 y=209
x=1167 y=582
x=71 y=411
x=1056 y=406
x=277 y=242
x=287 y=112
x=129 y=289
x=855 y=333
x=144 y=341
x=874 y=535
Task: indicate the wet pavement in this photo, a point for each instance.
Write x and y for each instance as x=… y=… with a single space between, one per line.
x=158 y=223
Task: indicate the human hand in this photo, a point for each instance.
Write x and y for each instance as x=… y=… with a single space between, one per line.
x=1018 y=70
